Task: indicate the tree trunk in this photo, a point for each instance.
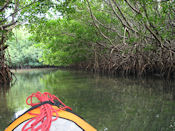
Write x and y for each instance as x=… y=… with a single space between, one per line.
x=5 y=73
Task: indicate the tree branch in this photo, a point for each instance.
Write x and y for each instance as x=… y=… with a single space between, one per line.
x=132 y=7
x=121 y=12
x=93 y=18
x=154 y=35
x=109 y=28
x=17 y=11
x=124 y=25
x=8 y=25
x=147 y=17
x=5 y=5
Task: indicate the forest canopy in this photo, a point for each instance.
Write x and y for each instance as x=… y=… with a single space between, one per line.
x=14 y=13
x=22 y=52
x=126 y=36
x=133 y=37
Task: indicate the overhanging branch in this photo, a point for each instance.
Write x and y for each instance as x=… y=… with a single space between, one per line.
x=17 y=10
x=5 y=5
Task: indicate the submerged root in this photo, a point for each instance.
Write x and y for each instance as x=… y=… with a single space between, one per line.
x=6 y=76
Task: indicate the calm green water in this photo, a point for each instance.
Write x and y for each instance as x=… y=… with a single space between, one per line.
x=107 y=103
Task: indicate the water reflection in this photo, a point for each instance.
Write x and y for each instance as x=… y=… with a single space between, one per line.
x=5 y=111
x=108 y=103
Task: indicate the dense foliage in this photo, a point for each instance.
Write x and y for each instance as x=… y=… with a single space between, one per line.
x=133 y=37
x=22 y=52
x=16 y=12
x=64 y=41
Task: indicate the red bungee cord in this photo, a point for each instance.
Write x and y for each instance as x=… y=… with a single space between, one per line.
x=43 y=120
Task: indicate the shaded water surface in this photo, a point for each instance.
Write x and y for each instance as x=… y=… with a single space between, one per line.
x=107 y=103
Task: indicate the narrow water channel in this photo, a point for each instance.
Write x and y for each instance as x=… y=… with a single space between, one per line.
x=107 y=103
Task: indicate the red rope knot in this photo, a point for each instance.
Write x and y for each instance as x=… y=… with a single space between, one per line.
x=43 y=120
